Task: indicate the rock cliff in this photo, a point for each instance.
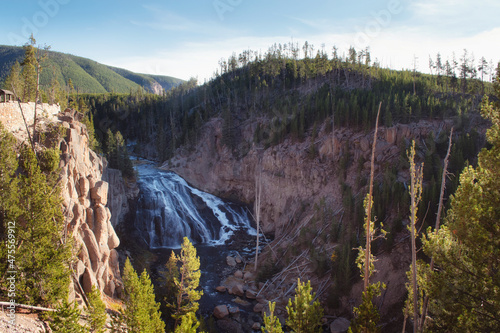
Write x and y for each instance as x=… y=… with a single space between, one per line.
x=86 y=207
x=294 y=173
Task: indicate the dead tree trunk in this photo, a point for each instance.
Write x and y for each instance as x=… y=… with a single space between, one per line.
x=258 y=194
x=369 y=208
x=416 y=175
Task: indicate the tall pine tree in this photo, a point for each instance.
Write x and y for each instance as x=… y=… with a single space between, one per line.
x=184 y=271
x=42 y=255
x=141 y=312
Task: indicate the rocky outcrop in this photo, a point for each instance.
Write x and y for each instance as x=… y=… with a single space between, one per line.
x=85 y=199
x=120 y=193
x=292 y=177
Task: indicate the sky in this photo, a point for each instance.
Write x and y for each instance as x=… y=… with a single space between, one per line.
x=187 y=38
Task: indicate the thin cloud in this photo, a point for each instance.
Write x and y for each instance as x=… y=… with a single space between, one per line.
x=166 y=20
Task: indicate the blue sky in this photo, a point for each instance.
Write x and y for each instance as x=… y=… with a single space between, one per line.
x=187 y=38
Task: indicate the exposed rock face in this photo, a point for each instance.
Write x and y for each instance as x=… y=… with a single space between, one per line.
x=119 y=194
x=291 y=178
x=85 y=196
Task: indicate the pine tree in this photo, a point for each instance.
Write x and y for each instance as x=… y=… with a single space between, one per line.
x=97 y=311
x=43 y=254
x=185 y=273
x=66 y=319
x=271 y=323
x=29 y=73
x=189 y=323
x=8 y=180
x=304 y=314
x=464 y=287
x=9 y=201
x=14 y=81
x=141 y=310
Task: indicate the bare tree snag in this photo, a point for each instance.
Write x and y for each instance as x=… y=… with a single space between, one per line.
x=258 y=194
x=369 y=208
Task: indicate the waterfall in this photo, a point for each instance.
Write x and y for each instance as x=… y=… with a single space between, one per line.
x=169 y=209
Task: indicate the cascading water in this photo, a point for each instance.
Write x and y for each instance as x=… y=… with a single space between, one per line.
x=169 y=209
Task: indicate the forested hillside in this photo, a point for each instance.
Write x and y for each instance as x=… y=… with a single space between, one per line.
x=87 y=76
x=296 y=96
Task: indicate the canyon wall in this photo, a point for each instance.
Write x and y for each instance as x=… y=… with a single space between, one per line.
x=86 y=208
x=293 y=173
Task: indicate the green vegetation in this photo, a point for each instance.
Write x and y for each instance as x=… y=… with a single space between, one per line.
x=464 y=287
x=183 y=281
x=32 y=212
x=271 y=322
x=117 y=154
x=141 y=312
x=304 y=312
x=66 y=319
x=97 y=311
x=87 y=75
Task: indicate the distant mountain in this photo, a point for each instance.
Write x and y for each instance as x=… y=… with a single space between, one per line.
x=88 y=76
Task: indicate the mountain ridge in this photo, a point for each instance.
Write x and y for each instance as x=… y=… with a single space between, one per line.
x=87 y=75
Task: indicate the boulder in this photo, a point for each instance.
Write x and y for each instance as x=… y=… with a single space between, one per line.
x=340 y=325
x=230 y=261
x=110 y=289
x=221 y=289
x=248 y=276
x=79 y=268
x=113 y=262
x=238 y=259
x=113 y=240
x=364 y=144
x=221 y=311
x=101 y=224
x=240 y=301
x=92 y=246
x=237 y=290
x=238 y=274
x=99 y=193
x=234 y=310
x=259 y=307
x=84 y=186
x=391 y=135
x=88 y=281
x=90 y=218
x=251 y=294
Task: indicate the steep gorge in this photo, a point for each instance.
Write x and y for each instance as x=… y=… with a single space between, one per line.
x=300 y=178
x=290 y=174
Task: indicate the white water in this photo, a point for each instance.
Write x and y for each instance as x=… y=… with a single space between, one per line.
x=169 y=209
